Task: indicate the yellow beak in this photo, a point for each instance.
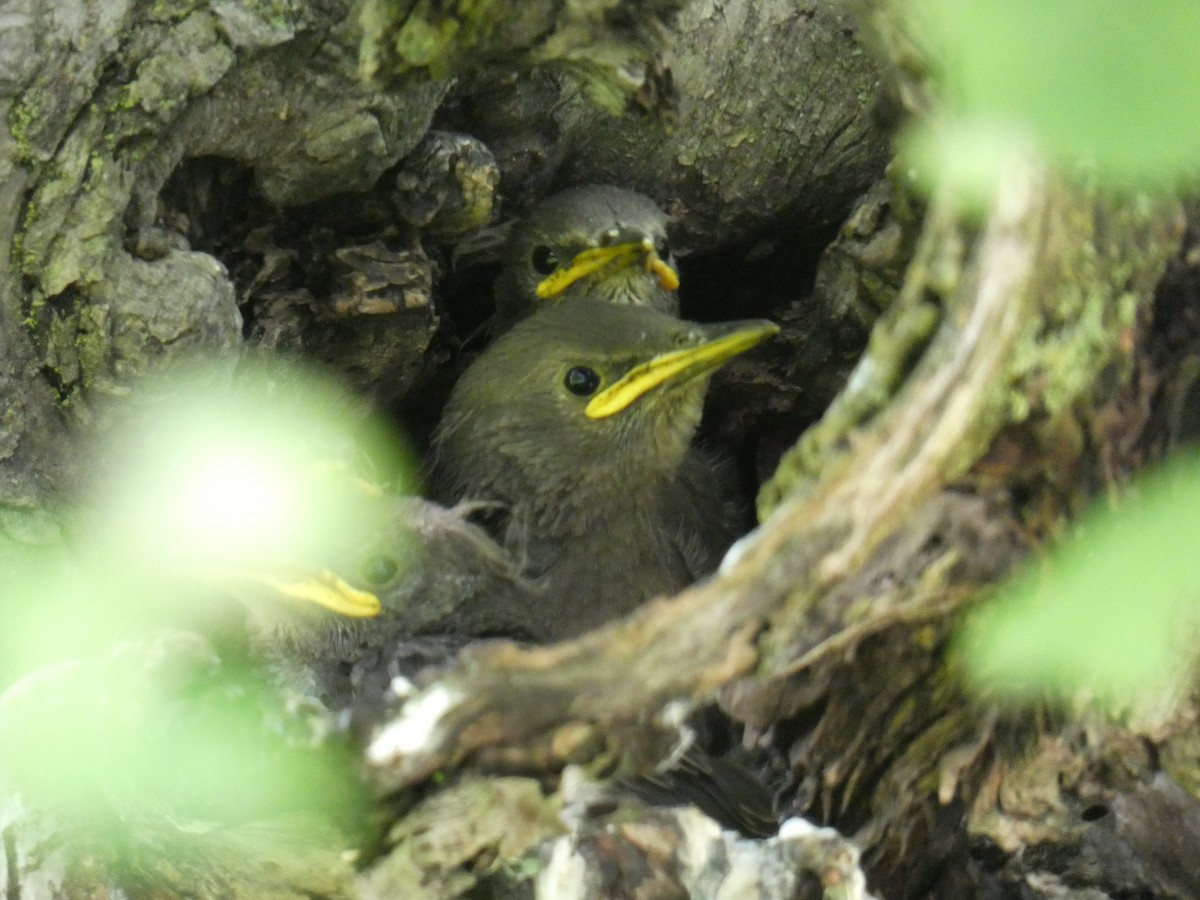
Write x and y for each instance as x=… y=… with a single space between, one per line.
x=678 y=364
x=618 y=256
x=321 y=587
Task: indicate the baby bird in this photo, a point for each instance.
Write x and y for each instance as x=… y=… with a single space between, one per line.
x=597 y=241
x=578 y=423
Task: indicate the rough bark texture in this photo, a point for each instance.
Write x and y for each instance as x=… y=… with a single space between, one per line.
x=740 y=150
x=836 y=612
x=194 y=176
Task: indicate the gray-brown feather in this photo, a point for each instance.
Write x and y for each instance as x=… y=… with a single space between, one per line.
x=606 y=512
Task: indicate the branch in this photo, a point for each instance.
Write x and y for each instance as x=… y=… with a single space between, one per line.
x=776 y=601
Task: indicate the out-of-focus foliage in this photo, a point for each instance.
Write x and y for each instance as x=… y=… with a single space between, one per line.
x=1111 y=612
x=129 y=699
x=1109 y=82
x=196 y=486
x=159 y=726
x=1112 y=87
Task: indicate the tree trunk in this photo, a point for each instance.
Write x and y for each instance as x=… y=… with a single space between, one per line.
x=184 y=177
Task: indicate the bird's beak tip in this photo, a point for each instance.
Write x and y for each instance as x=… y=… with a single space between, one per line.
x=679 y=365
x=668 y=278
x=327 y=590
x=619 y=255
x=320 y=588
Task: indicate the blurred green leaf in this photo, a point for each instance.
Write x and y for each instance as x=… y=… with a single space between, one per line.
x=965 y=156
x=1111 y=612
x=159 y=726
x=1112 y=81
x=199 y=486
x=132 y=708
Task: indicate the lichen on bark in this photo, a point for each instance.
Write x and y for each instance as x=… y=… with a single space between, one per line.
x=964 y=434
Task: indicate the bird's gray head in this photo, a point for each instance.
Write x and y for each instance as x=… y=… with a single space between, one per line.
x=580 y=404
x=317 y=604
x=427 y=569
x=599 y=241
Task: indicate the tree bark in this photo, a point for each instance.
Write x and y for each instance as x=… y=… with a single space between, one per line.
x=178 y=175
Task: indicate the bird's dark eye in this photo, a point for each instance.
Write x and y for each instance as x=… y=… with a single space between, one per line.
x=662 y=248
x=544 y=260
x=582 y=381
x=378 y=570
